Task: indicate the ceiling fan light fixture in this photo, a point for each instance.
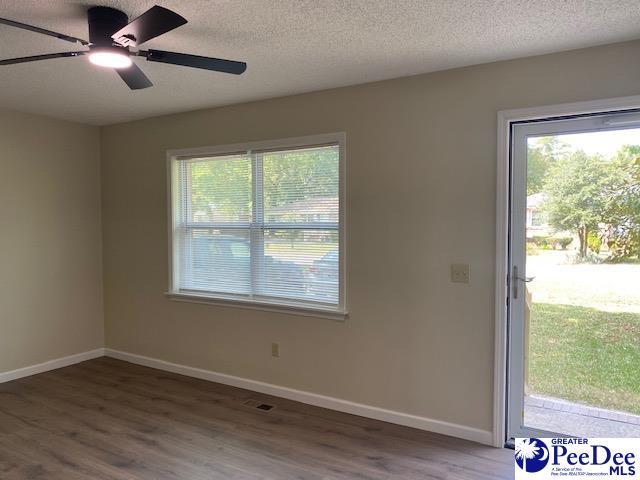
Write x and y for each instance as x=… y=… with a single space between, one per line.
x=110 y=59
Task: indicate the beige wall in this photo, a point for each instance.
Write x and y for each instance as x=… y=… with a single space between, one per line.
x=421 y=155
x=50 y=240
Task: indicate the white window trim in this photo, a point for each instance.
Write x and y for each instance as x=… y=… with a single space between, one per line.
x=339 y=312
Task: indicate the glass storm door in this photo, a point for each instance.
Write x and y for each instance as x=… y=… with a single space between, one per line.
x=574 y=283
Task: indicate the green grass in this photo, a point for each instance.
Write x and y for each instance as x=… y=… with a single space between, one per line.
x=586 y=355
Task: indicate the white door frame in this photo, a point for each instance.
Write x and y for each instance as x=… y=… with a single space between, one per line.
x=503 y=191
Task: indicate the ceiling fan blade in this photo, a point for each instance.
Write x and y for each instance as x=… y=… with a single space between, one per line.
x=134 y=77
x=155 y=21
x=195 y=61
x=61 y=36
x=35 y=58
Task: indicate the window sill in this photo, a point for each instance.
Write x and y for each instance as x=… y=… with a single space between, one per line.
x=300 y=310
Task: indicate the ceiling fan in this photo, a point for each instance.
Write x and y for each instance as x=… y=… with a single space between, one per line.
x=112 y=36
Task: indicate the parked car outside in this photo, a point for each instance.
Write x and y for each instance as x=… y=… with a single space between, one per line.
x=221 y=263
x=324 y=277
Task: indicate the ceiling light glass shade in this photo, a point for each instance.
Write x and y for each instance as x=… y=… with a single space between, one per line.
x=110 y=59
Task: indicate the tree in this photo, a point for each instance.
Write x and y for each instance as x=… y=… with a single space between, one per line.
x=221 y=188
x=299 y=175
x=577 y=188
x=541 y=155
x=623 y=209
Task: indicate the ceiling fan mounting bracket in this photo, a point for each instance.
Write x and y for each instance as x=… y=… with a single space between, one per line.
x=103 y=21
x=128 y=39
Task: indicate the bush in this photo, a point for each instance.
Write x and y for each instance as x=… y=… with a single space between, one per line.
x=551 y=243
x=541 y=242
x=594 y=242
x=624 y=245
x=564 y=242
x=590 y=257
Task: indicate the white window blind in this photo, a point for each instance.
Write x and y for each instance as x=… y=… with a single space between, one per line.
x=261 y=225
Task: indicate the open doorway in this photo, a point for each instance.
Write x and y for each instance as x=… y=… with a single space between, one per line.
x=574 y=296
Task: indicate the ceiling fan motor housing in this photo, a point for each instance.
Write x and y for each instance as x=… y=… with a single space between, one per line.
x=104 y=22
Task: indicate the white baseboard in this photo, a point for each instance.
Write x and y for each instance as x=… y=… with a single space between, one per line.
x=50 y=365
x=391 y=416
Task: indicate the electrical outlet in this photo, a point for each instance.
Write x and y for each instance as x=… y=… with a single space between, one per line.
x=460 y=273
x=275 y=349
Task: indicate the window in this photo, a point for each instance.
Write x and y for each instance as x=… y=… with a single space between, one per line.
x=537 y=218
x=260 y=225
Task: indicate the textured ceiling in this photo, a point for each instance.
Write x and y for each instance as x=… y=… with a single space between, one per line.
x=291 y=46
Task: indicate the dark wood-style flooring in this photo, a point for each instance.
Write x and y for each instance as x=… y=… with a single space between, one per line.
x=108 y=419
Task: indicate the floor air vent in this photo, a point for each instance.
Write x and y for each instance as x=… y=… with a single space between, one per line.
x=265 y=407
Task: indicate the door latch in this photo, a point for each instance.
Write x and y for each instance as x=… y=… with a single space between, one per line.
x=515 y=278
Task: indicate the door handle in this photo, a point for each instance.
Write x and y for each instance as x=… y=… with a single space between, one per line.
x=515 y=279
